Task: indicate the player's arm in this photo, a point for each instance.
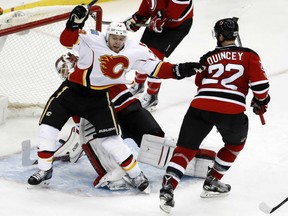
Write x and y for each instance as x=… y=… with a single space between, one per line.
x=179 y=71
x=139 y=17
x=259 y=85
x=176 y=9
x=148 y=63
x=74 y=24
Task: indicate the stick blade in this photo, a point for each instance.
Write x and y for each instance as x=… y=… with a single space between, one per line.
x=265 y=208
x=26 y=148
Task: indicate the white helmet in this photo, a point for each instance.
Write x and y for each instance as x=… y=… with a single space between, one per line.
x=116 y=28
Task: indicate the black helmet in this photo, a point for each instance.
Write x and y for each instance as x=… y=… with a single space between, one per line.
x=227 y=27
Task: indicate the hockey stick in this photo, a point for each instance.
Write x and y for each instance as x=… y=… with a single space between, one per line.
x=240 y=45
x=137 y=24
x=268 y=210
x=26 y=151
x=26 y=148
x=238 y=36
x=91 y=4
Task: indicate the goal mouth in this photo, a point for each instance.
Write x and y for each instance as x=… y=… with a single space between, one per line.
x=29 y=47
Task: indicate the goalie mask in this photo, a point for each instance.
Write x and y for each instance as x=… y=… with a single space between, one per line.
x=65 y=65
x=228 y=28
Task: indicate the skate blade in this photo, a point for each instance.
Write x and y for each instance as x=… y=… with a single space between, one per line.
x=152 y=109
x=164 y=207
x=43 y=184
x=211 y=194
x=147 y=190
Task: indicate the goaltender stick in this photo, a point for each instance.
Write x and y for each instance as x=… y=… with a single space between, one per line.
x=135 y=122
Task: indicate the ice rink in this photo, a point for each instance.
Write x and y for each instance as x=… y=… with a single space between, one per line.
x=259 y=173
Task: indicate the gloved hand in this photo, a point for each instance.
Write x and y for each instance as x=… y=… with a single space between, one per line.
x=77 y=18
x=157 y=22
x=260 y=107
x=187 y=69
x=131 y=22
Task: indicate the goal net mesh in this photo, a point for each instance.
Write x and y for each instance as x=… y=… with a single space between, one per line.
x=29 y=48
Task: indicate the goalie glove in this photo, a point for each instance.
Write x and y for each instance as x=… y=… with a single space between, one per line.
x=131 y=22
x=260 y=107
x=187 y=69
x=77 y=18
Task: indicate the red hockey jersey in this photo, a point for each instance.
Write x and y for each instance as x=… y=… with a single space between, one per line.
x=177 y=11
x=224 y=84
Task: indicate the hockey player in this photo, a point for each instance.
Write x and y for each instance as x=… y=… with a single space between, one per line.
x=133 y=119
x=220 y=102
x=135 y=123
x=103 y=62
x=170 y=21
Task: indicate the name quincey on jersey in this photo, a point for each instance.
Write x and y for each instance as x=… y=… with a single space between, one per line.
x=224 y=55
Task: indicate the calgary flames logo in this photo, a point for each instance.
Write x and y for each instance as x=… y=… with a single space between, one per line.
x=113 y=66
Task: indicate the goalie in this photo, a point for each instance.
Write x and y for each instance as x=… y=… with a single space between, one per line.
x=135 y=123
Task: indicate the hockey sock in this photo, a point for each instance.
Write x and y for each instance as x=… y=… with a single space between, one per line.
x=224 y=159
x=177 y=165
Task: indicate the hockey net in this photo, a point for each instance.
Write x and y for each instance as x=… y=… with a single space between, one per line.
x=29 y=48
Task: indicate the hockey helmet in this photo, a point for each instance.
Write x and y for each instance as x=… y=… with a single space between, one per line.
x=116 y=28
x=227 y=27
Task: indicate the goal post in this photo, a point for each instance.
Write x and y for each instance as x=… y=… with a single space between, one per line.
x=29 y=48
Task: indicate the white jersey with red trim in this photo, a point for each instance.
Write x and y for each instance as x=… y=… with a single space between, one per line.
x=100 y=67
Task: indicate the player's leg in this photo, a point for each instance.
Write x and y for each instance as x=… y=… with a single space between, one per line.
x=162 y=44
x=192 y=133
x=234 y=130
x=135 y=121
x=52 y=120
x=102 y=116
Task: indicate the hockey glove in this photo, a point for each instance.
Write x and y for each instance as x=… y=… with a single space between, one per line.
x=77 y=18
x=187 y=69
x=157 y=22
x=131 y=22
x=260 y=107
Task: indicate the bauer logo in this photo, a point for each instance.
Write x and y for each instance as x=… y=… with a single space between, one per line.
x=106 y=130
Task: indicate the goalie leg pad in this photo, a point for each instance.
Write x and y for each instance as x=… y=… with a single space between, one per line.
x=157 y=151
x=94 y=161
x=110 y=174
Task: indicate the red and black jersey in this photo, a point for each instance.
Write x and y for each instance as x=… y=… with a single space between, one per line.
x=120 y=96
x=177 y=10
x=224 y=84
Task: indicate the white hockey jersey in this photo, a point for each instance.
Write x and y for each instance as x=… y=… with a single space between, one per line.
x=99 y=67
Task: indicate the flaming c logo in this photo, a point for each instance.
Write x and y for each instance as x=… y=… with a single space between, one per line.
x=113 y=66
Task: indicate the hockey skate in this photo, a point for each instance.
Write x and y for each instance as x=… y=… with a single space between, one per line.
x=40 y=177
x=149 y=102
x=167 y=198
x=213 y=187
x=141 y=182
x=137 y=88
